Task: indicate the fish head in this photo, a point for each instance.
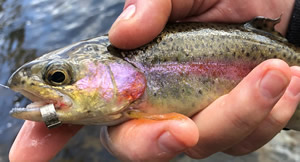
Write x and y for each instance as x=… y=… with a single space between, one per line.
x=85 y=83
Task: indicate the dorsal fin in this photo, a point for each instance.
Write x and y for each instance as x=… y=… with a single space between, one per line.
x=265 y=26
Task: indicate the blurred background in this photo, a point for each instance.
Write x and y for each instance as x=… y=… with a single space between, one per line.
x=30 y=28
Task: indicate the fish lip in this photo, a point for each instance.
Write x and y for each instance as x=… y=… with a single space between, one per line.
x=40 y=101
x=33 y=111
x=26 y=114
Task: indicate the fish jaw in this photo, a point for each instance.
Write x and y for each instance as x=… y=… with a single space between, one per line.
x=62 y=104
x=33 y=114
x=98 y=94
x=28 y=81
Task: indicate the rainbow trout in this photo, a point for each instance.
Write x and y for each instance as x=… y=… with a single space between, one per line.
x=183 y=70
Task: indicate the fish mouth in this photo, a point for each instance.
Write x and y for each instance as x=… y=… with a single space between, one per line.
x=33 y=110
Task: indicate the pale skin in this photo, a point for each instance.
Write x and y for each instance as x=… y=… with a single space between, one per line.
x=237 y=123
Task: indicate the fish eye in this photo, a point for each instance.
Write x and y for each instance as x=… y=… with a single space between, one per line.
x=57 y=75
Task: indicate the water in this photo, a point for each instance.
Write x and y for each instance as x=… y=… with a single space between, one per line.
x=29 y=28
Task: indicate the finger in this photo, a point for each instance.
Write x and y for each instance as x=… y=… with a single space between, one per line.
x=231 y=118
x=150 y=140
x=275 y=121
x=182 y=9
x=140 y=22
x=241 y=11
x=35 y=142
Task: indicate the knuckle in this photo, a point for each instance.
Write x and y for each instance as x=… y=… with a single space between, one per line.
x=241 y=149
x=276 y=122
x=241 y=123
x=197 y=153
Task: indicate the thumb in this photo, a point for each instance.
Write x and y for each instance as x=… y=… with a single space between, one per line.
x=150 y=140
x=140 y=22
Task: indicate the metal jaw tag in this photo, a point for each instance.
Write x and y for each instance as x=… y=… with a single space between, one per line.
x=49 y=116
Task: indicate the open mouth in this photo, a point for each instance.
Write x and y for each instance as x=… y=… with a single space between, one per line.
x=37 y=103
x=42 y=109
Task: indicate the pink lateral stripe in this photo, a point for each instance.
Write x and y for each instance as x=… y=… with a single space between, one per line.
x=234 y=70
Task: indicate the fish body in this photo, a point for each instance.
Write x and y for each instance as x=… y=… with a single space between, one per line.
x=183 y=70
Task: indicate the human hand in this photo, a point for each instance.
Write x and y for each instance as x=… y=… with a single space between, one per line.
x=142 y=20
x=237 y=123
x=35 y=142
x=138 y=29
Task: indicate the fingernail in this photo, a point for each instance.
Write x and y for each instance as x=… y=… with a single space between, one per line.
x=294 y=90
x=127 y=13
x=273 y=84
x=169 y=144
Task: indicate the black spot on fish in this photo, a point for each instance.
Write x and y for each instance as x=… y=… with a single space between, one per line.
x=254 y=48
x=271 y=50
x=96 y=48
x=23 y=82
x=193 y=104
x=154 y=94
x=247 y=54
x=278 y=49
x=227 y=49
x=199 y=92
x=32 y=84
x=158 y=39
x=212 y=81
